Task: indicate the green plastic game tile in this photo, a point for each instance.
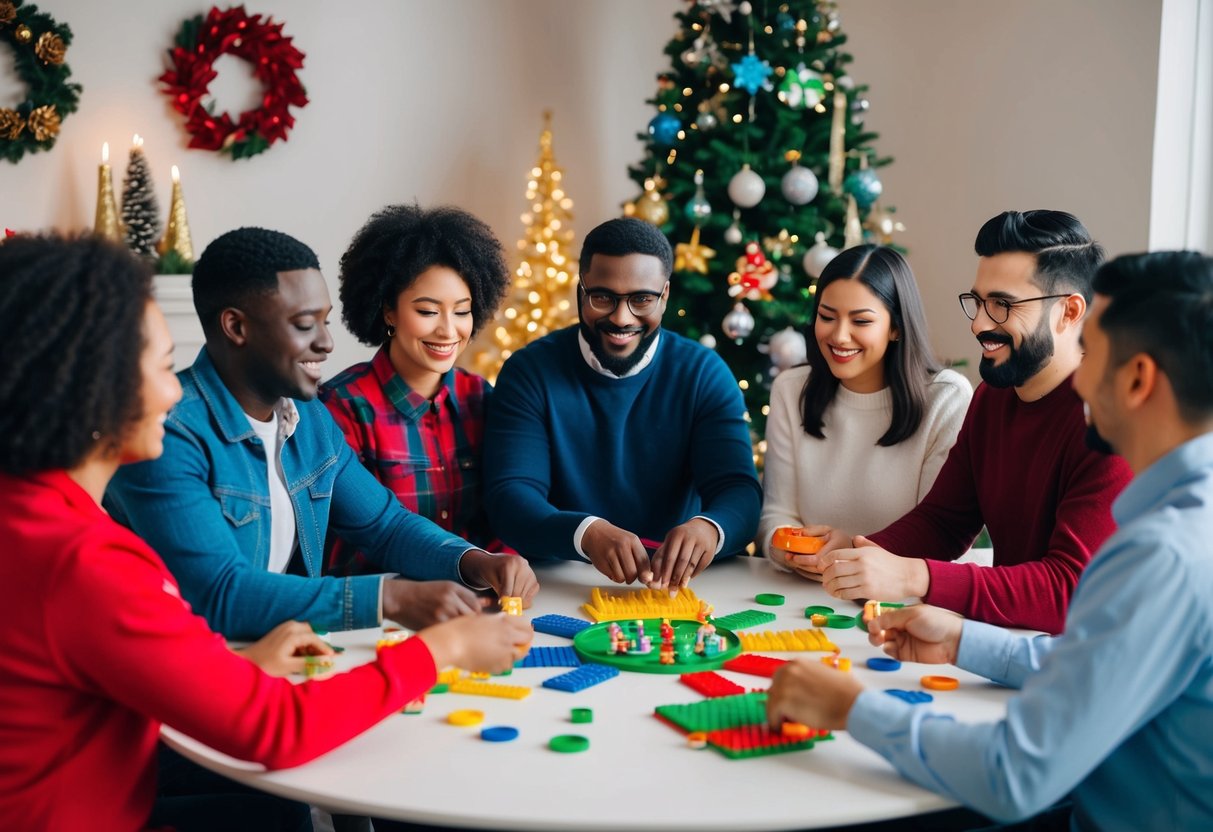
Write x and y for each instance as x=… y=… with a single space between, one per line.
x=743 y=619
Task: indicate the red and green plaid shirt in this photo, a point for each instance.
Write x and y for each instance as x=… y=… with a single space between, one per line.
x=428 y=452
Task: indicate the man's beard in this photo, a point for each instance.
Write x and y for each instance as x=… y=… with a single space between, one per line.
x=1023 y=362
x=617 y=365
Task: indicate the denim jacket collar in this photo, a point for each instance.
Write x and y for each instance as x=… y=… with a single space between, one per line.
x=228 y=414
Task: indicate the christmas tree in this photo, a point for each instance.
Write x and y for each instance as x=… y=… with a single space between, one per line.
x=758 y=168
x=140 y=212
x=541 y=299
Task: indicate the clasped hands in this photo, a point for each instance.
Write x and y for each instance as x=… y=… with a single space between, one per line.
x=855 y=568
x=619 y=554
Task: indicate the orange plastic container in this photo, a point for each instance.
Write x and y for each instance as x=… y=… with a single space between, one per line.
x=792 y=539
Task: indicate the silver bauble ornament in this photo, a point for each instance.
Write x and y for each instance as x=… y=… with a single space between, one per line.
x=799 y=185
x=732 y=235
x=787 y=348
x=818 y=257
x=692 y=57
x=744 y=7
x=746 y=188
x=739 y=323
x=706 y=120
x=708 y=340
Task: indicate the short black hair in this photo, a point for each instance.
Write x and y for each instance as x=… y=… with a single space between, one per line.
x=1162 y=304
x=909 y=363
x=241 y=264
x=1066 y=255
x=623 y=236
x=71 y=333
x=400 y=242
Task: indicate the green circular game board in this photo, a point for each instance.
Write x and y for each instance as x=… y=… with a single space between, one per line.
x=593 y=644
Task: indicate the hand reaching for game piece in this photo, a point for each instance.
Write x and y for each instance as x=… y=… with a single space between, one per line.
x=281 y=651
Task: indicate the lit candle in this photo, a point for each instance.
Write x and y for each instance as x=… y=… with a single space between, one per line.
x=177 y=232
x=107 y=224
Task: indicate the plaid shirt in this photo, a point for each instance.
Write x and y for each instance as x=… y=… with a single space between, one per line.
x=427 y=452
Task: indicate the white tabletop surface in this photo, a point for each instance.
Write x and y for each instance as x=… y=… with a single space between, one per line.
x=638 y=772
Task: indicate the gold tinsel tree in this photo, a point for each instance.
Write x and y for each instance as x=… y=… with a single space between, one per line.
x=542 y=298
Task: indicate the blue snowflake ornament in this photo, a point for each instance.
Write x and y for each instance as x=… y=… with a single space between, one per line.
x=750 y=74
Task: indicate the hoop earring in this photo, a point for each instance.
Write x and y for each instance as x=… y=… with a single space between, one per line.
x=391 y=332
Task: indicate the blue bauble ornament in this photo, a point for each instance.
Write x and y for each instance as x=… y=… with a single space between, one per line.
x=698 y=209
x=864 y=185
x=664 y=129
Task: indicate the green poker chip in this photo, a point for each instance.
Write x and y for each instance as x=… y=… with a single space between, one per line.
x=809 y=612
x=569 y=743
x=840 y=622
x=770 y=599
x=582 y=715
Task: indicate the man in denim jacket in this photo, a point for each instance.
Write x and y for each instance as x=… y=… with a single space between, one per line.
x=255 y=472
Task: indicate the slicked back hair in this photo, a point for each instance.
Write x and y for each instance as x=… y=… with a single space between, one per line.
x=1066 y=255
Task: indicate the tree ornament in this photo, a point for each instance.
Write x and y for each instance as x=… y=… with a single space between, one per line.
x=706 y=120
x=708 y=340
x=799 y=185
x=818 y=257
x=751 y=74
x=754 y=277
x=864 y=185
x=882 y=225
x=724 y=8
x=652 y=207
x=786 y=349
x=698 y=209
x=663 y=128
x=801 y=88
x=274 y=60
x=746 y=188
x=692 y=256
x=744 y=7
x=838 y=140
x=140 y=211
x=39 y=46
x=693 y=57
x=781 y=245
x=852 y=230
x=732 y=234
x=738 y=323
x=859 y=110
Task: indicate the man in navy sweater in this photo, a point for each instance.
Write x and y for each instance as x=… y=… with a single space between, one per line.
x=613 y=437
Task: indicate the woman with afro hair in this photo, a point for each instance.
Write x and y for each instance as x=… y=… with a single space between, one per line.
x=419 y=284
x=99 y=647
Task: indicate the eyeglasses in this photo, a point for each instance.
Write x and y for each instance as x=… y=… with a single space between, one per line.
x=998 y=309
x=640 y=304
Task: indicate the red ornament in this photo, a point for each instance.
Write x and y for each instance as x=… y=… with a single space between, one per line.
x=274 y=60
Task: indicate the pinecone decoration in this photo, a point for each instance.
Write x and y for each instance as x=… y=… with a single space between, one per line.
x=11 y=124
x=44 y=123
x=8 y=12
x=50 y=48
x=140 y=211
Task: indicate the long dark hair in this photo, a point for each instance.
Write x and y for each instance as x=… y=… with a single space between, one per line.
x=909 y=363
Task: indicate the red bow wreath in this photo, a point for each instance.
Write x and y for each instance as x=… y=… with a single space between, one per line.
x=234 y=32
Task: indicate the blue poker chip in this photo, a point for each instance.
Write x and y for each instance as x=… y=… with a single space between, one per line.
x=883 y=664
x=499 y=733
x=914 y=697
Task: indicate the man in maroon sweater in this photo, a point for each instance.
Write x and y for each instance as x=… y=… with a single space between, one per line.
x=1020 y=465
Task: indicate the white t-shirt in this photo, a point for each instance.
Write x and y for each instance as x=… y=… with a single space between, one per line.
x=282 y=513
x=846 y=480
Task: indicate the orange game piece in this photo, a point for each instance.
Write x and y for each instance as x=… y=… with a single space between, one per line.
x=837 y=662
x=792 y=539
x=939 y=682
x=795 y=730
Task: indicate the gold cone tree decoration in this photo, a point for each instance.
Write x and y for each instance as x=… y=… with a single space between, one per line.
x=107 y=224
x=175 y=247
x=542 y=299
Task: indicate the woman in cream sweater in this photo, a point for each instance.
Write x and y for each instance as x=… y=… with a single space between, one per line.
x=856 y=437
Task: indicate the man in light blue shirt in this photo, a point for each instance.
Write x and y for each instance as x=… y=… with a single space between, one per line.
x=1116 y=712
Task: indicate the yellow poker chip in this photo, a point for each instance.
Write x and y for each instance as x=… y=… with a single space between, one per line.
x=465 y=717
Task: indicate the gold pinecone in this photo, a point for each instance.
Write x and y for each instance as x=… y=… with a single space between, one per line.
x=11 y=124
x=8 y=12
x=50 y=48
x=44 y=123
x=23 y=33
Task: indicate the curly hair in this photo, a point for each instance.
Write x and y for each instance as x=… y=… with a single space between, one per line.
x=71 y=333
x=241 y=264
x=400 y=242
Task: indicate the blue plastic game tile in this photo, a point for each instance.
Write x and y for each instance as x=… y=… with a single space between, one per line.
x=549 y=657
x=559 y=625
x=883 y=664
x=583 y=677
x=914 y=697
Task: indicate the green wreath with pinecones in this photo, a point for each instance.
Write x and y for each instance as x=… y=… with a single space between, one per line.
x=39 y=48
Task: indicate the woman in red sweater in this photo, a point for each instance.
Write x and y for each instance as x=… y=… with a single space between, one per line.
x=99 y=647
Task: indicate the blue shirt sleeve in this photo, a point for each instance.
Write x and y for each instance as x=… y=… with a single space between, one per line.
x=1125 y=655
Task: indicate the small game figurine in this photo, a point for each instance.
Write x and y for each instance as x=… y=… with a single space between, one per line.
x=667 y=642
x=511 y=604
x=619 y=642
x=705 y=639
x=642 y=644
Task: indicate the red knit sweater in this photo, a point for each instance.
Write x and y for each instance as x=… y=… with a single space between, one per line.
x=99 y=649
x=1024 y=471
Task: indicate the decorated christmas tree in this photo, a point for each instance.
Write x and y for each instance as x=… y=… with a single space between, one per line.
x=140 y=211
x=758 y=168
x=541 y=299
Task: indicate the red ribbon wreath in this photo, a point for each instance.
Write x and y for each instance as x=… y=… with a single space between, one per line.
x=234 y=32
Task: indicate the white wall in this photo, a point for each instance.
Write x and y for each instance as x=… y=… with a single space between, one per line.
x=985 y=104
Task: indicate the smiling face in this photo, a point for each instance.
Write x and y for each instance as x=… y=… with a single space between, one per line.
x=1014 y=351
x=433 y=322
x=620 y=338
x=158 y=392
x=285 y=340
x=853 y=330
